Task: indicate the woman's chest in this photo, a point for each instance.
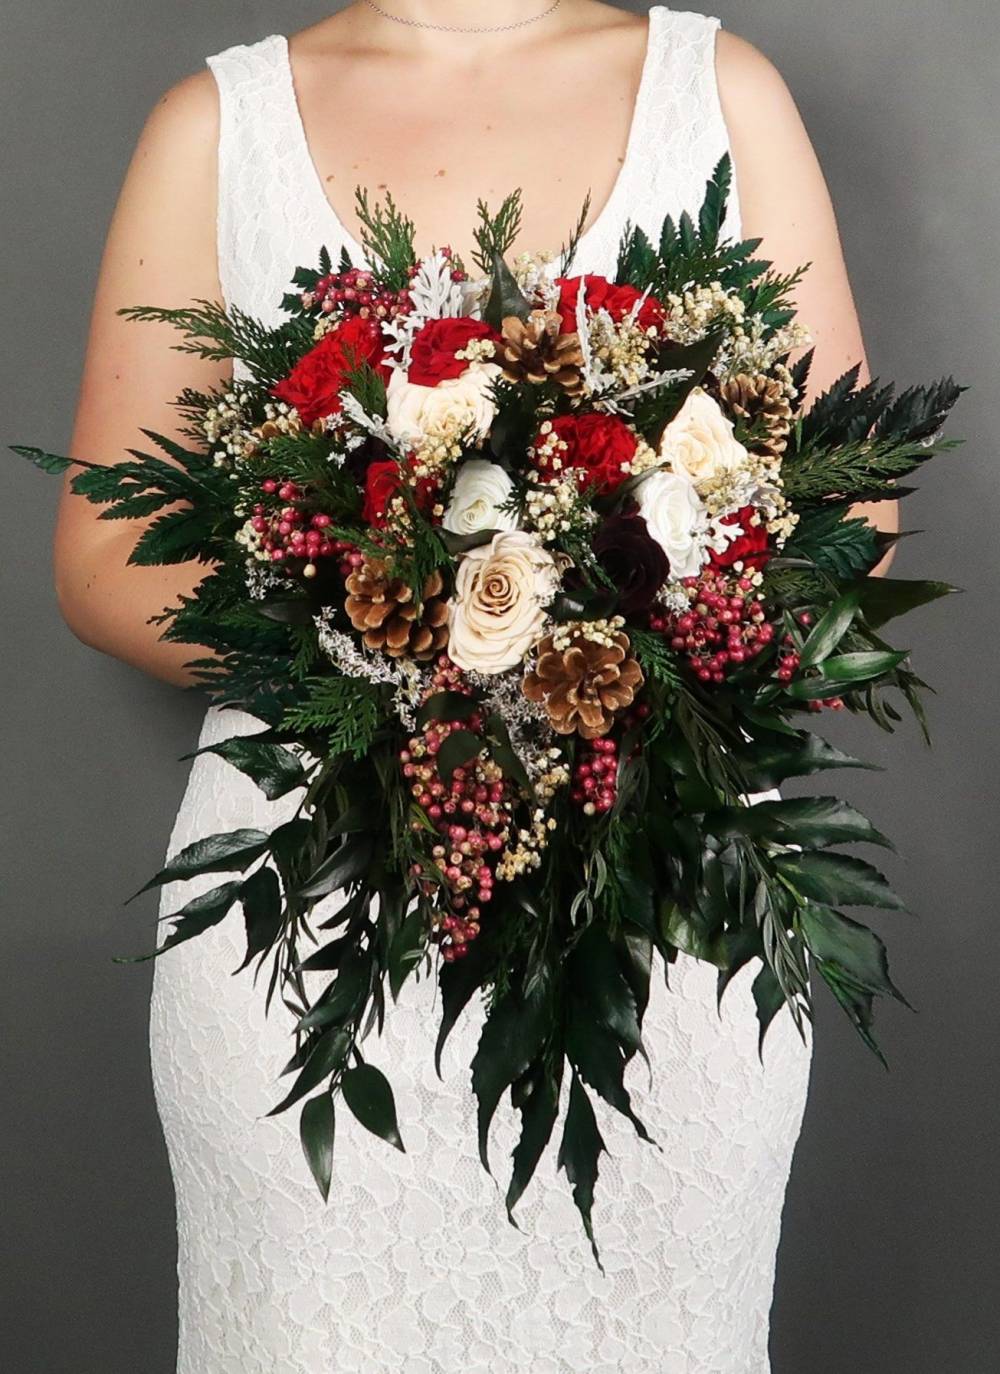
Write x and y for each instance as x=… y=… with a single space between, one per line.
x=557 y=134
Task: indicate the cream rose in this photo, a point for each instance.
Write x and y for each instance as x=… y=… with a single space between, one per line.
x=480 y=489
x=699 y=443
x=458 y=404
x=498 y=609
x=676 y=518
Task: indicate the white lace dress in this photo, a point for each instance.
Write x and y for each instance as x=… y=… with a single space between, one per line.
x=413 y=1265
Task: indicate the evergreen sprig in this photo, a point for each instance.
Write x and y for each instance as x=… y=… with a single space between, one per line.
x=388 y=238
x=495 y=233
x=347 y=711
x=217 y=334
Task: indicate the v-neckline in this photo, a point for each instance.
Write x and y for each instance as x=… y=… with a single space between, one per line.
x=327 y=213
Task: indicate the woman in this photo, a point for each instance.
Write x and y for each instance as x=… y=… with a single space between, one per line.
x=241 y=173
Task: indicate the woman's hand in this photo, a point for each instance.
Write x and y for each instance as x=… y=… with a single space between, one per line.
x=160 y=250
x=784 y=201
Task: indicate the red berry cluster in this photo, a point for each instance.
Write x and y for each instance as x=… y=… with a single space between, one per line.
x=595 y=776
x=471 y=813
x=723 y=628
x=355 y=292
x=288 y=532
x=595 y=773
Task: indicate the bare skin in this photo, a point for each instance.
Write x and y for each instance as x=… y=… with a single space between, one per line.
x=476 y=113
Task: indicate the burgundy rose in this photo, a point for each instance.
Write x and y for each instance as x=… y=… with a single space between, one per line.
x=317 y=379
x=598 y=444
x=601 y=294
x=750 y=547
x=633 y=560
x=432 y=353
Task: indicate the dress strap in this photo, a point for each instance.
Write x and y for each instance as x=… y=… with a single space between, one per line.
x=684 y=132
x=259 y=206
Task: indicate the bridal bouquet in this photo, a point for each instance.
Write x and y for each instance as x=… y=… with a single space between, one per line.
x=534 y=583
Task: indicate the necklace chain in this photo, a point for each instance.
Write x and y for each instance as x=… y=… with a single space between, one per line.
x=458 y=28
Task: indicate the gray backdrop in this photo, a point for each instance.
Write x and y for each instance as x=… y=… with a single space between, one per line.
x=889 y=1260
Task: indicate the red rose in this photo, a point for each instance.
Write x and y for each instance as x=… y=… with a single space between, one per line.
x=382 y=481
x=432 y=354
x=601 y=294
x=317 y=379
x=751 y=547
x=597 y=443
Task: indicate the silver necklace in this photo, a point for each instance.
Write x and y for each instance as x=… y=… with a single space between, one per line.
x=458 y=28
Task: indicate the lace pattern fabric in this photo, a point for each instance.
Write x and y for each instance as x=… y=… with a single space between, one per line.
x=413 y=1264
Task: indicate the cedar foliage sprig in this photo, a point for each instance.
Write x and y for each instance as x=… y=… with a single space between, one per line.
x=387 y=236
x=218 y=334
x=348 y=711
x=495 y=233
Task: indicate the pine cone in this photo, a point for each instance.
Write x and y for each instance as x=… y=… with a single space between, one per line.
x=533 y=350
x=760 y=399
x=384 y=609
x=585 y=685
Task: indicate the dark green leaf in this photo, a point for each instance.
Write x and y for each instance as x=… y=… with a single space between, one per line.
x=812 y=822
x=884 y=598
x=406 y=950
x=773 y=763
x=856 y=1002
x=48 y=462
x=368 y=1094
x=316 y=1132
x=233 y=852
x=458 y=981
x=324 y=1057
x=350 y=861
x=845 y=671
x=446 y=706
x=504 y=754
x=458 y=749
x=512 y=1036
x=177 y=537
x=344 y=997
x=260 y=896
x=600 y=1061
x=274 y=769
x=536 y=1097
x=200 y=914
x=603 y=989
x=685 y=934
x=830 y=629
x=856 y=951
x=769 y=999
x=506 y=297
x=579 y=1152
x=837 y=878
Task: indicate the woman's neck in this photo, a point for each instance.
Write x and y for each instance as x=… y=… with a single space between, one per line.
x=458 y=23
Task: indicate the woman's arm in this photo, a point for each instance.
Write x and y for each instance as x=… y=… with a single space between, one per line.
x=784 y=201
x=160 y=250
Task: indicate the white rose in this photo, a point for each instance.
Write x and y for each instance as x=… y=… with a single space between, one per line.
x=498 y=610
x=699 y=442
x=676 y=518
x=464 y=403
x=480 y=489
